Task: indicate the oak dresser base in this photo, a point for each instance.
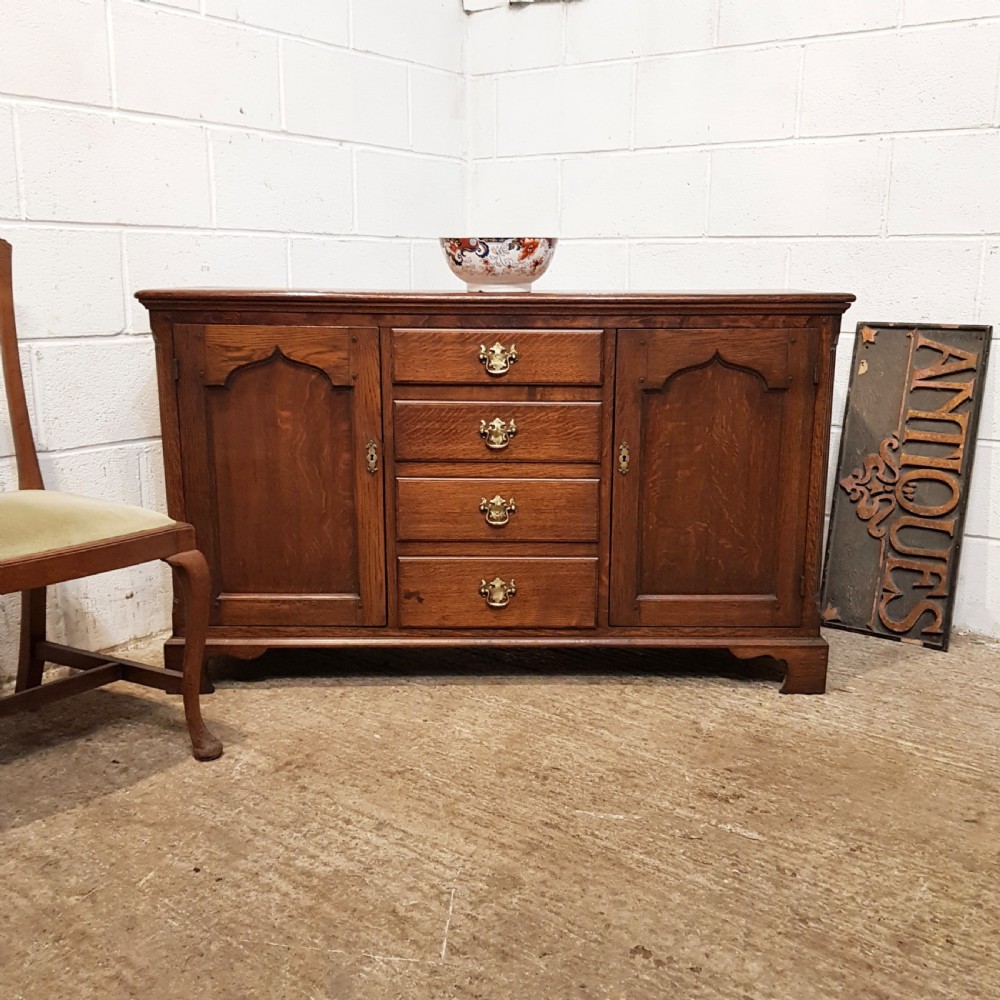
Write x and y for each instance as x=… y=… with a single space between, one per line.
x=419 y=470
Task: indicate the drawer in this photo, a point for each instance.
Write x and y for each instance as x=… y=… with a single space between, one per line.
x=516 y=357
x=516 y=510
x=449 y=593
x=429 y=431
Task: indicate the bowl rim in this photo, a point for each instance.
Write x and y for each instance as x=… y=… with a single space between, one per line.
x=497 y=239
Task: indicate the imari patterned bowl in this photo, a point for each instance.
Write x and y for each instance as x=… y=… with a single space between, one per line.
x=498 y=263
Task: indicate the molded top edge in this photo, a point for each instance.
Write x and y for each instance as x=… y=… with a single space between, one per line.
x=529 y=300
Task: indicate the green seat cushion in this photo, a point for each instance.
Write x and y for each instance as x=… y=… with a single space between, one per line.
x=33 y=522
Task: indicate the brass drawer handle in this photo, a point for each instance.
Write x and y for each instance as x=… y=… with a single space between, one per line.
x=498 y=510
x=497 y=358
x=496 y=433
x=498 y=592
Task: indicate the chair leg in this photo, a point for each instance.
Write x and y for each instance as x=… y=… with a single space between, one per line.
x=192 y=573
x=29 y=664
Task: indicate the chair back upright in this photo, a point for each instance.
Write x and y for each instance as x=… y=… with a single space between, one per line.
x=29 y=474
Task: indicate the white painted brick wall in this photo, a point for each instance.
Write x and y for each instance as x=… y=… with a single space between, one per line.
x=8 y=165
x=89 y=392
x=437 y=111
x=505 y=40
x=989 y=298
x=69 y=283
x=400 y=195
x=201 y=142
x=85 y=167
x=812 y=189
x=588 y=264
x=8 y=476
x=481 y=125
x=56 y=49
x=320 y=20
x=943 y=78
x=185 y=260
x=625 y=28
x=846 y=146
x=558 y=111
x=946 y=184
x=891 y=277
x=519 y=194
x=747 y=21
x=921 y=11
x=341 y=263
x=277 y=184
x=329 y=142
x=635 y=194
x=182 y=66
x=705 y=266
x=345 y=95
x=690 y=99
x=428 y=32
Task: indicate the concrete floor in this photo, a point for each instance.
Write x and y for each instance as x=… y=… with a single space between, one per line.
x=455 y=825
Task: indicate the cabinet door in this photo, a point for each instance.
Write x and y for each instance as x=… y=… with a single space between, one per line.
x=277 y=426
x=709 y=511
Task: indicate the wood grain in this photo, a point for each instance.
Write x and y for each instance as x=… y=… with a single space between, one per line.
x=29 y=475
x=544 y=357
x=554 y=510
x=280 y=493
x=228 y=348
x=546 y=432
x=706 y=524
x=712 y=536
x=444 y=593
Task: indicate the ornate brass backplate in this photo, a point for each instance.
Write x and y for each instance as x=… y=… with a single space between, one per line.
x=371 y=457
x=624 y=458
x=498 y=592
x=903 y=474
x=498 y=510
x=497 y=358
x=497 y=433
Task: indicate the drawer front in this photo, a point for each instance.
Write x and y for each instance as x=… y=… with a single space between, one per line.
x=497 y=593
x=431 y=431
x=507 y=510
x=515 y=357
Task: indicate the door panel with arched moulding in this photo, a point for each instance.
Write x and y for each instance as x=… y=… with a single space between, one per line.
x=281 y=461
x=711 y=476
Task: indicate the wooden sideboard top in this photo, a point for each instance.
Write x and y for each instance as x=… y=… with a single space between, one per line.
x=535 y=302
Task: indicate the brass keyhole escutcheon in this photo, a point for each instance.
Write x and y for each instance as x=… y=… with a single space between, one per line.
x=371 y=457
x=497 y=358
x=497 y=433
x=498 y=510
x=624 y=458
x=498 y=592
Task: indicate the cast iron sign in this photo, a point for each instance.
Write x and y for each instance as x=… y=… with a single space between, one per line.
x=902 y=479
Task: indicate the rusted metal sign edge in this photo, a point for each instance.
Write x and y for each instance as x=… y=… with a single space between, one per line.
x=903 y=472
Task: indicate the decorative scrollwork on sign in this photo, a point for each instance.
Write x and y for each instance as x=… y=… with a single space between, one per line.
x=873 y=488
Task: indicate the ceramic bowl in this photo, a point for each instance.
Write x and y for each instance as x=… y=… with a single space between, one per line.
x=498 y=263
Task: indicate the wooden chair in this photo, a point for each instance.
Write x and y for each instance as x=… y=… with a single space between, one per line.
x=48 y=537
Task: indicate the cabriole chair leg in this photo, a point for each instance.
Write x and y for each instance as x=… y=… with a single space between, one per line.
x=192 y=574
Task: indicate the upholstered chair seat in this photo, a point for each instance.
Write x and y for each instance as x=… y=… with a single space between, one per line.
x=33 y=522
